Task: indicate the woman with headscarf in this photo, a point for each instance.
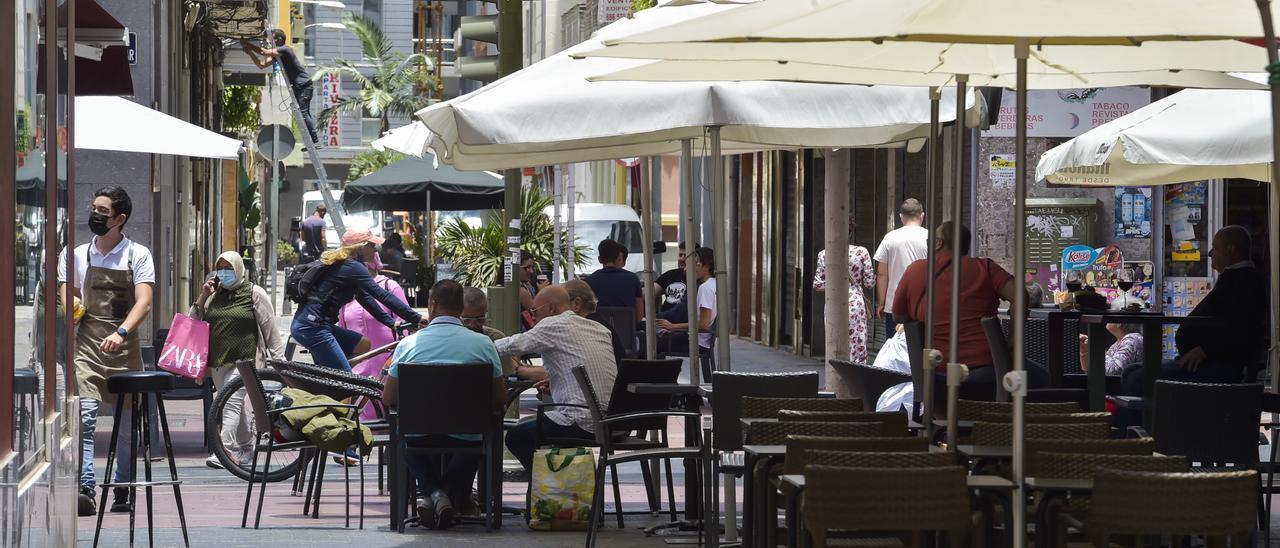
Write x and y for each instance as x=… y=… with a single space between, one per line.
x=242 y=326
x=860 y=275
x=356 y=318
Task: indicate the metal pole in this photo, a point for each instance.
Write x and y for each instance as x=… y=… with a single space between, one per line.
x=556 y=199
x=1017 y=385
x=1273 y=217
x=646 y=228
x=836 y=294
x=955 y=369
x=719 y=228
x=930 y=191
x=273 y=210
x=691 y=260
x=571 y=239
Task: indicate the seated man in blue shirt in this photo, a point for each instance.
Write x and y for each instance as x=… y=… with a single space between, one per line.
x=444 y=341
x=613 y=285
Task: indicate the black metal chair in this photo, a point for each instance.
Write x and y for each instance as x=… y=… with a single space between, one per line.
x=183 y=388
x=867 y=382
x=447 y=399
x=622 y=401
x=622 y=320
x=609 y=458
x=914 y=332
x=1002 y=360
x=706 y=354
x=408 y=269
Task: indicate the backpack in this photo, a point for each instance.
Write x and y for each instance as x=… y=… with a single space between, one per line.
x=303 y=280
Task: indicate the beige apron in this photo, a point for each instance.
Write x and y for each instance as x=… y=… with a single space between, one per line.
x=107 y=296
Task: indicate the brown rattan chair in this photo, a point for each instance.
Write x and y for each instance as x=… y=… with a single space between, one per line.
x=768 y=408
x=797 y=445
x=1131 y=446
x=1001 y=433
x=776 y=433
x=972 y=410
x=893 y=424
x=1054 y=511
x=1219 y=504
x=1050 y=418
x=853 y=499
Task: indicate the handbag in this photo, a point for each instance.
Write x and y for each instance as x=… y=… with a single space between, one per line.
x=186 y=350
x=561 y=489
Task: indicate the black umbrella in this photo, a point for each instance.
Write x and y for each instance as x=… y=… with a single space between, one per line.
x=404 y=185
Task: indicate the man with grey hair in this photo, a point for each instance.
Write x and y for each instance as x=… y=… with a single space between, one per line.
x=582 y=301
x=1223 y=351
x=475 y=312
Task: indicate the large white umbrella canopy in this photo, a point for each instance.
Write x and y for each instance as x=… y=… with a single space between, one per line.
x=549 y=113
x=411 y=139
x=114 y=123
x=1191 y=135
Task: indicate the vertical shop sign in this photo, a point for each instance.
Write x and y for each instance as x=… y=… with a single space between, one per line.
x=330 y=89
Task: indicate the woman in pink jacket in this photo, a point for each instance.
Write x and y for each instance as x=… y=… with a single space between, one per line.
x=356 y=318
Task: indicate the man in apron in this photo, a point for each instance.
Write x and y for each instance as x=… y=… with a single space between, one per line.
x=113 y=279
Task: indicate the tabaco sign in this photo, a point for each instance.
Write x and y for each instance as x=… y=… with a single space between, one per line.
x=1069 y=112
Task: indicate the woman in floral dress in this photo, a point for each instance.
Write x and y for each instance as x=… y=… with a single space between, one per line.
x=860 y=275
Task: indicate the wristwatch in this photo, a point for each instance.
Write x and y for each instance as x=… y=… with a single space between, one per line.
x=122 y=332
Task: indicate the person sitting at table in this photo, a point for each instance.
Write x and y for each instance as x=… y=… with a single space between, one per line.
x=444 y=341
x=582 y=301
x=613 y=284
x=475 y=312
x=1126 y=350
x=1236 y=341
x=983 y=285
x=565 y=340
x=673 y=336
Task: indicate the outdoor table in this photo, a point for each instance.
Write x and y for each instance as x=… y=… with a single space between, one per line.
x=1057 y=340
x=1054 y=489
x=690 y=397
x=1152 y=339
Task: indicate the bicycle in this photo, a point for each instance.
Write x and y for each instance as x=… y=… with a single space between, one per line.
x=289 y=462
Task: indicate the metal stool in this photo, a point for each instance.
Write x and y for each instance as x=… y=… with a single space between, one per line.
x=146 y=387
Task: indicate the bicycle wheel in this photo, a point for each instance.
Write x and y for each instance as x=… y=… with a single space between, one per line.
x=284 y=464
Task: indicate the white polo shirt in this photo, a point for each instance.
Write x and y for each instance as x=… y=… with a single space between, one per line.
x=899 y=249
x=144 y=270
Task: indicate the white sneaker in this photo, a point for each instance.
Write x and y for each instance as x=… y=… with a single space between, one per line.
x=213 y=462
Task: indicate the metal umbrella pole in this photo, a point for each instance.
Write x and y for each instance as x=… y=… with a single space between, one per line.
x=719 y=228
x=956 y=371
x=1273 y=216
x=556 y=232
x=1015 y=382
x=931 y=355
x=646 y=276
x=691 y=260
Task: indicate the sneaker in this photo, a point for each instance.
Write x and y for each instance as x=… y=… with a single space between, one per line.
x=426 y=512
x=214 y=462
x=349 y=459
x=444 y=509
x=470 y=505
x=86 y=506
x=120 y=499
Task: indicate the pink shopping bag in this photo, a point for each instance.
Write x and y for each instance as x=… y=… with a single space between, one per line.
x=186 y=350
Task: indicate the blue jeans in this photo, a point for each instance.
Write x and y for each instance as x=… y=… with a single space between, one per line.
x=124 y=449
x=458 y=474
x=890 y=326
x=522 y=440
x=329 y=344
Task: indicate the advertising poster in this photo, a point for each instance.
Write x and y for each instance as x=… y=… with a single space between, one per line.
x=1133 y=213
x=1069 y=112
x=609 y=11
x=1002 y=169
x=330 y=90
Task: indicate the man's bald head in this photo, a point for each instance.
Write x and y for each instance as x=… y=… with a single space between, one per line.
x=550 y=301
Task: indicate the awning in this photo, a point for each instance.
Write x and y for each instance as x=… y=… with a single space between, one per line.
x=102 y=53
x=115 y=123
x=403 y=186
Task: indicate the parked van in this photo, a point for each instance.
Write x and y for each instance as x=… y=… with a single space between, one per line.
x=367 y=220
x=594 y=223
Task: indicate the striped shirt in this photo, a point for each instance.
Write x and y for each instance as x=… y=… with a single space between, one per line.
x=566 y=341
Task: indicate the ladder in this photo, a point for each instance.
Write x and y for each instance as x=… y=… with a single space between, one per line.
x=316 y=163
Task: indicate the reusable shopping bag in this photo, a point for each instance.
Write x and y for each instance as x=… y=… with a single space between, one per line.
x=561 y=488
x=186 y=349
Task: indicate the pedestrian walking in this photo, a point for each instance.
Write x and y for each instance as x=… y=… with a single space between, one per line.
x=898 y=249
x=860 y=276
x=314 y=240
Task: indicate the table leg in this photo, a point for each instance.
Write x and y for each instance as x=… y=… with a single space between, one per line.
x=1152 y=359
x=1056 y=350
x=749 y=505
x=692 y=468
x=1097 y=367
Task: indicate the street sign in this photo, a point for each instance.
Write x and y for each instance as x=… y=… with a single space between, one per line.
x=266 y=144
x=133 y=48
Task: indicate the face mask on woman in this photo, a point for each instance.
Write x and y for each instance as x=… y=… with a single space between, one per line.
x=226 y=277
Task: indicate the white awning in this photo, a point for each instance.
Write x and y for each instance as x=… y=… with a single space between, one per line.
x=116 y=123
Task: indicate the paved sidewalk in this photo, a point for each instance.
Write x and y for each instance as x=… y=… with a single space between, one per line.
x=214 y=499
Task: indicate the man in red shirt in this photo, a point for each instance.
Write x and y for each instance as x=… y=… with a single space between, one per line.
x=983 y=284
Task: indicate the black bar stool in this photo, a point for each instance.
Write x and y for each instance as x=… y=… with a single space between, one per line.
x=146 y=386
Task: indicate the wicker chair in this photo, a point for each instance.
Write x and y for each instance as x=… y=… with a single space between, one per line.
x=768 y=408
x=972 y=410
x=853 y=499
x=1055 y=511
x=1217 y=504
x=1050 y=418
x=776 y=433
x=1001 y=433
x=798 y=445
x=1132 y=446
x=866 y=382
x=894 y=424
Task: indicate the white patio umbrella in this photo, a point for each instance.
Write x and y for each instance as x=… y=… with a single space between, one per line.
x=1191 y=135
x=411 y=139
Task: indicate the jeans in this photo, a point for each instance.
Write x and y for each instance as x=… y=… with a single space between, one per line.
x=522 y=440
x=303 y=93
x=89 y=410
x=329 y=344
x=458 y=474
x=235 y=426
x=890 y=326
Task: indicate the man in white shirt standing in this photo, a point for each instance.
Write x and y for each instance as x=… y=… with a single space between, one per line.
x=114 y=279
x=897 y=251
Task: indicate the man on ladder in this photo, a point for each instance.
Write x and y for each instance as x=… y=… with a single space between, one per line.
x=298 y=78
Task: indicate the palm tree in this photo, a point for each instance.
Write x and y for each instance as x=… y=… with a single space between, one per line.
x=370 y=161
x=389 y=81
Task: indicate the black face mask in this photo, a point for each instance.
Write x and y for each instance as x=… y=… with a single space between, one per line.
x=98 y=223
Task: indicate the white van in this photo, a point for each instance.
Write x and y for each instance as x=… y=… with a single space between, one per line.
x=594 y=223
x=367 y=220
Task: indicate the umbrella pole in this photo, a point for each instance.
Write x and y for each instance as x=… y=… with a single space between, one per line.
x=956 y=371
x=556 y=232
x=1016 y=381
x=719 y=239
x=646 y=229
x=691 y=259
x=1273 y=213
x=930 y=196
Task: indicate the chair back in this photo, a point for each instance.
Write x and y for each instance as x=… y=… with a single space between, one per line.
x=879 y=459
x=857 y=499
x=1084 y=465
x=1050 y=418
x=1000 y=356
x=1130 y=446
x=972 y=410
x=1208 y=423
x=776 y=433
x=731 y=387
x=1001 y=433
x=891 y=424
x=796 y=445
x=593 y=404
x=408 y=269
x=621 y=320
x=1136 y=503
x=914 y=332
x=866 y=382
x=446 y=398
x=768 y=408
x=624 y=401
x=257 y=395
